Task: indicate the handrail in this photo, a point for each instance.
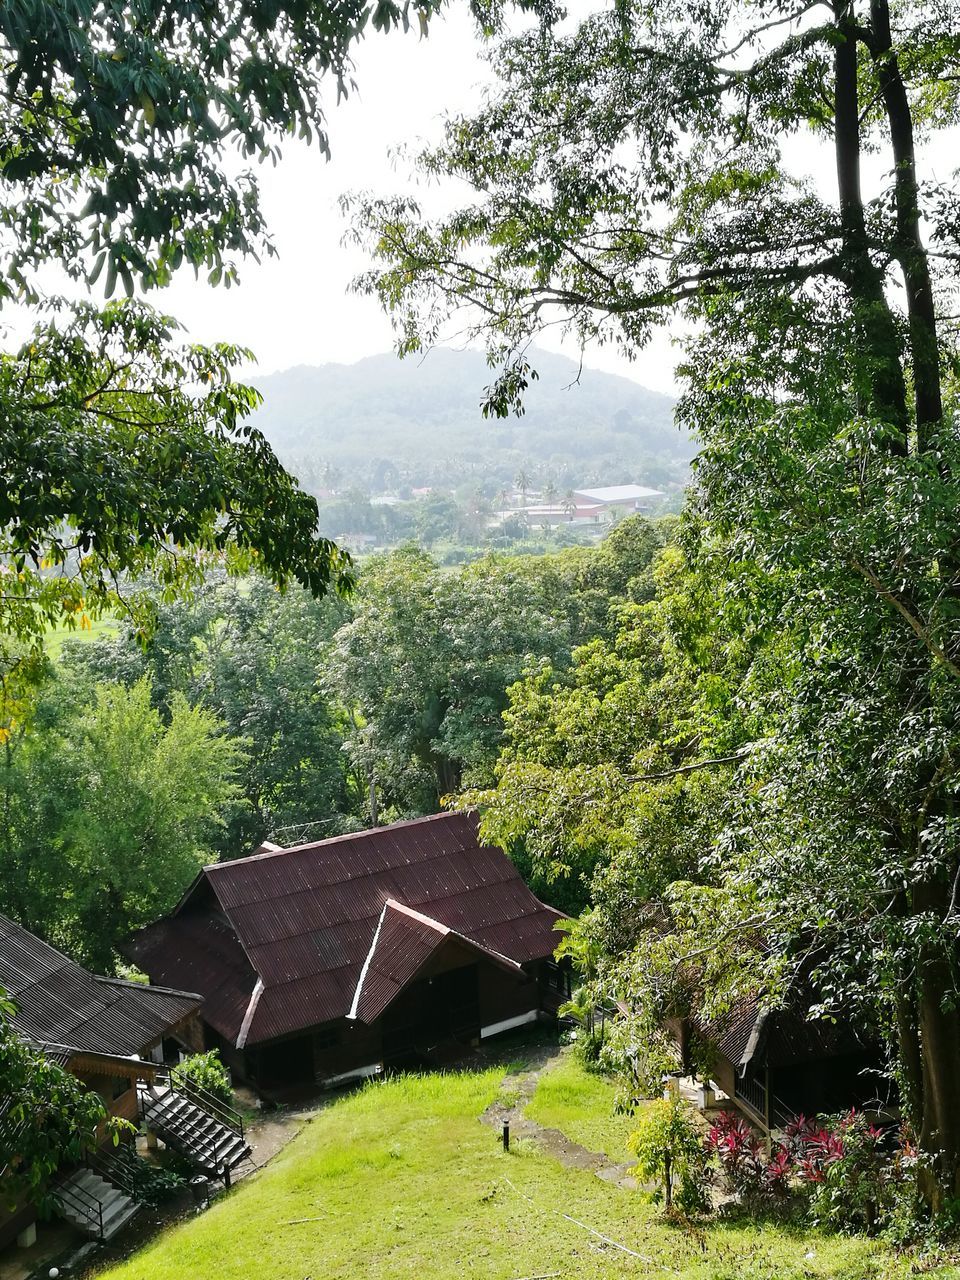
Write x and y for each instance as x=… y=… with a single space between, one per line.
x=184 y=1127
x=205 y=1100
x=114 y=1168
x=76 y=1196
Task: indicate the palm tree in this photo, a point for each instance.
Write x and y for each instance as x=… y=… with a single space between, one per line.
x=522 y=481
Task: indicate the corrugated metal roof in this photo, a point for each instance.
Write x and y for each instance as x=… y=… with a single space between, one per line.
x=403 y=942
x=204 y=952
x=304 y=919
x=781 y=1037
x=57 y=1002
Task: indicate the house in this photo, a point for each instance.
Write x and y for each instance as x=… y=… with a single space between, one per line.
x=113 y=1036
x=776 y=1063
x=108 y=1032
x=332 y=960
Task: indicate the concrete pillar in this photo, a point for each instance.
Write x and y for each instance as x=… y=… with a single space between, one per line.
x=152 y=1141
x=27 y=1236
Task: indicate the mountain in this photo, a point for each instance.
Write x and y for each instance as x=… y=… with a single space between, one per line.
x=384 y=421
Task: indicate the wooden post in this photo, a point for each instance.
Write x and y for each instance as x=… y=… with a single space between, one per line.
x=506 y=1135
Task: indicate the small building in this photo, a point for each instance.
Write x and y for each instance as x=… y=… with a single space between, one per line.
x=610 y=500
x=777 y=1063
x=109 y=1033
x=332 y=960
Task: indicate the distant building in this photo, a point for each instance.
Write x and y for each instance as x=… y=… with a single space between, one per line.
x=333 y=960
x=582 y=506
x=619 y=497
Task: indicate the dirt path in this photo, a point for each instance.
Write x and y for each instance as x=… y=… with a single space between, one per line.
x=521 y=1087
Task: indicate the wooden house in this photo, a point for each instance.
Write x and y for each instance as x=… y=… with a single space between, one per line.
x=332 y=960
x=776 y=1063
x=107 y=1032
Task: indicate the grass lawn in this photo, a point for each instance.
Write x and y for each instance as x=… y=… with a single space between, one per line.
x=401 y=1180
x=99 y=629
x=580 y=1104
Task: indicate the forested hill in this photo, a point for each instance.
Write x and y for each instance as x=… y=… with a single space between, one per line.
x=384 y=421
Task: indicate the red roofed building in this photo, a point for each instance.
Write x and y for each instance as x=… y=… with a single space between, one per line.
x=330 y=960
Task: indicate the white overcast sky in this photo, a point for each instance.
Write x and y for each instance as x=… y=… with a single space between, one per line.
x=296 y=309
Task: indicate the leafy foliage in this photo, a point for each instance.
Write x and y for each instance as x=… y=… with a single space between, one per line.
x=668 y=1144
x=109 y=813
x=207 y=1072
x=424 y=666
x=120 y=128
x=123 y=454
x=250 y=655
x=47 y=1117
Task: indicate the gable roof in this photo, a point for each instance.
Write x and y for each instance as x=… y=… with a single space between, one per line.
x=303 y=920
x=403 y=942
x=749 y=1034
x=57 y=1002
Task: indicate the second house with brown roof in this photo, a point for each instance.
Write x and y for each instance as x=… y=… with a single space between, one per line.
x=329 y=961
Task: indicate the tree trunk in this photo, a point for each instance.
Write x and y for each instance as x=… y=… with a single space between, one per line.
x=911 y=253
x=879 y=338
x=938 y=1021
x=928 y=1032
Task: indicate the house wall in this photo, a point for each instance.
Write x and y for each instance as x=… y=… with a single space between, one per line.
x=334 y=1051
x=505 y=996
x=116 y=1087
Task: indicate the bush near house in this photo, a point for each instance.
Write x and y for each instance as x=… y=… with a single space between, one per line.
x=206 y=1071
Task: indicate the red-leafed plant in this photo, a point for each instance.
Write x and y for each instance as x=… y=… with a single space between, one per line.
x=744 y=1164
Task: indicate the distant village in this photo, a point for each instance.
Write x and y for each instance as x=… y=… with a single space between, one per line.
x=518 y=514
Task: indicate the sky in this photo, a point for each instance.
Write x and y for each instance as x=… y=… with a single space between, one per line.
x=296 y=308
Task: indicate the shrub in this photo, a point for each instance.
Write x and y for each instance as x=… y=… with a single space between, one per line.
x=152 y=1184
x=669 y=1146
x=851 y=1175
x=747 y=1170
x=739 y=1152
x=207 y=1072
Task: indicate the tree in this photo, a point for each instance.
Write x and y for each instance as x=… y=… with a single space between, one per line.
x=122 y=454
x=248 y=654
x=109 y=814
x=119 y=129
x=594 y=798
x=424 y=665
x=634 y=169
x=47 y=1117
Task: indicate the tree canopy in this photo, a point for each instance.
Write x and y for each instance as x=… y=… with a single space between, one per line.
x=635 y=169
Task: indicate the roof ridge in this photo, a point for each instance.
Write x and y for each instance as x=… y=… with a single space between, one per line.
x=146 y=986
x=347 y=835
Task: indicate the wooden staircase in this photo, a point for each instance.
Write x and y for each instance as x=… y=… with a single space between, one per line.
x=197 y=1125
x=92 y=1204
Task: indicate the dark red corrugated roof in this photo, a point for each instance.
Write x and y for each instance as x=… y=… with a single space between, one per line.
x=303 y=920
x=404 y=940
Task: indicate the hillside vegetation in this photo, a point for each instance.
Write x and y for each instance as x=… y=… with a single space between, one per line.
x=384 y=421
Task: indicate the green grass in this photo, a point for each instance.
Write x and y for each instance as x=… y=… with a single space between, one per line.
x=99 y=629
x=400 y=1180
x=580 y=1104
